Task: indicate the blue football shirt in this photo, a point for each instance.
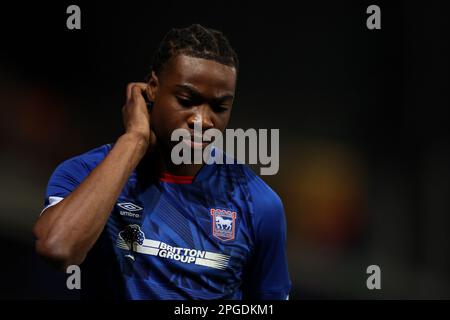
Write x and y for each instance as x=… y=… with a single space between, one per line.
x=219 y=235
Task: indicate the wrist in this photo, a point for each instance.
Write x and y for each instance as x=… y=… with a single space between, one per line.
x=137 y=140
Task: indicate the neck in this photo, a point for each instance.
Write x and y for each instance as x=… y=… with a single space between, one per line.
x=159 y=162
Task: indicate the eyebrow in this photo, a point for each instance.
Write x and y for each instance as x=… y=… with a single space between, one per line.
x=197 y=95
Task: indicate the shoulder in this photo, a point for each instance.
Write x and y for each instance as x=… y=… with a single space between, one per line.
x=262 y=194
x=265 y=205
x=87 y=160
x=75 y=169
x=264 y=199
x=69 y=174
x=244 y=174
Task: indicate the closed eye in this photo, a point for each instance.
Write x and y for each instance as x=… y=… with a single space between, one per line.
x=185 y=102
x=189 y=102
x=220 y=107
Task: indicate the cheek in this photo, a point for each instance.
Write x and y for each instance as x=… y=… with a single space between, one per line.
x=167 y=105
x=166 y=117
x=221 y=121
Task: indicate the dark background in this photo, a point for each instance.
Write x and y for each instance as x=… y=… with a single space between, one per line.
x=363 y=118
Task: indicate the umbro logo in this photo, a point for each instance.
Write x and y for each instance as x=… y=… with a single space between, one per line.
x=129 y=206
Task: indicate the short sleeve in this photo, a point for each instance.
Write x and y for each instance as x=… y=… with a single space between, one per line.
x=66 y=177
x=69 y=174
x=267 y=276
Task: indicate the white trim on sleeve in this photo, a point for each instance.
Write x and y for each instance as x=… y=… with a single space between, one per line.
x=51 y=202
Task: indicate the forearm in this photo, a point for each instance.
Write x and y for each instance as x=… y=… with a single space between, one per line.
x=67 y=231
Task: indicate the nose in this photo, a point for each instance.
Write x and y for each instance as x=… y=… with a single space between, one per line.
x=201 y=115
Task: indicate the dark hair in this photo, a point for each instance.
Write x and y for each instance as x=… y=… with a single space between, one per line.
x=195 y=41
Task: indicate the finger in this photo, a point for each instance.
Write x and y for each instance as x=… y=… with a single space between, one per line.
x=129 y=87
x=138 y=90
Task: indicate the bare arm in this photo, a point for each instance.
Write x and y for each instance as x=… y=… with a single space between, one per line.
x=67 y=231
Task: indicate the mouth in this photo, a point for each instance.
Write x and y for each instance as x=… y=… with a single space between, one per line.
x=198 y=140
x=196 y=143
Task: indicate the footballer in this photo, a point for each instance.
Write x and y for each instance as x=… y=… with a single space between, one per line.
x=141 y=227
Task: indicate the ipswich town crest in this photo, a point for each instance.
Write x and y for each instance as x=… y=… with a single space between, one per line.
x=224 y=224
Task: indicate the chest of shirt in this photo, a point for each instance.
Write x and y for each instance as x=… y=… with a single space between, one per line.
x=186 y=228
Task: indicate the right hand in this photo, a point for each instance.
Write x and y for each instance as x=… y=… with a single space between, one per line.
x=136 y=117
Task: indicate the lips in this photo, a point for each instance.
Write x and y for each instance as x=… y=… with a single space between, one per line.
x=196 y=142
x=197 y=138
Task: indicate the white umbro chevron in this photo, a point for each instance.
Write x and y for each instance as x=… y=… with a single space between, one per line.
x=129 y=206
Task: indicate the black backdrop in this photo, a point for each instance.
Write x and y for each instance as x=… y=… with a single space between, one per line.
x=363 y=119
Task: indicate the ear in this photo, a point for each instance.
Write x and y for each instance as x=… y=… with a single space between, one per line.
x=152 y=87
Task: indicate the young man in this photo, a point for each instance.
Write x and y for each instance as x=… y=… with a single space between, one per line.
x=141 y=227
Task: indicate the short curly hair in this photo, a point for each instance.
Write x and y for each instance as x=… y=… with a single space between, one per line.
x=195 y=41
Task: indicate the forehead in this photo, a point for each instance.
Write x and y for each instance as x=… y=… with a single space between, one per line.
x=202 y=73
